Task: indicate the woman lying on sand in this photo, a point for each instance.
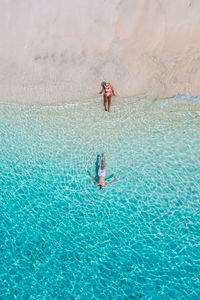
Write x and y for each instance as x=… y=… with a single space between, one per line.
x=102 y=175
x=108 y=91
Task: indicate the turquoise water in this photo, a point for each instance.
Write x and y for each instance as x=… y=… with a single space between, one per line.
x=63 y=238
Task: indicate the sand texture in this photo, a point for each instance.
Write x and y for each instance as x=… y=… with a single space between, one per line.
x=55 y=51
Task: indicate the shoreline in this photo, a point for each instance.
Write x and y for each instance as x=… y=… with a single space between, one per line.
x=141 y=104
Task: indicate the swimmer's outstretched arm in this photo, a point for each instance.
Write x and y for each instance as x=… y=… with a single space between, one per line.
x=112 y=181
x=101 y=91
x=93 y=179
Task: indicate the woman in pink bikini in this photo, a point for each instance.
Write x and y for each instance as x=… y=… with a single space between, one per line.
x=102 y=175
x=108 y=92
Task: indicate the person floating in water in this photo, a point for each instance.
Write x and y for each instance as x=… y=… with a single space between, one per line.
x=108 y=92
x=102 y=175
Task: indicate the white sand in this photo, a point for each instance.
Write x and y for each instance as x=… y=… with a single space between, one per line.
x=56 y=50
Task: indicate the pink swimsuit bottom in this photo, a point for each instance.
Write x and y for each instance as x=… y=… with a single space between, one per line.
x=102 y=173
x=108 y=91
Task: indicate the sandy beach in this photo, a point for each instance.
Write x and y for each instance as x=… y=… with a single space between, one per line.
x=56 y=51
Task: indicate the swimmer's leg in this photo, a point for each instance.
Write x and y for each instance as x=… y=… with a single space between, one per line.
x=105 y=102
x=100 y=163
x=104 y=162
x=109 y=102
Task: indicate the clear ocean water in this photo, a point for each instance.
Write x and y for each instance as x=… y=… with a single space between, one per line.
x=63 y=238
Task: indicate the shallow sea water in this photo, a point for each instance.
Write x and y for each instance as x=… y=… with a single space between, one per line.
x=63 y=238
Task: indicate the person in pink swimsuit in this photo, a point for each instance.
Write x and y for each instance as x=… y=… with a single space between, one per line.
x=102 y=175
x=108 y=92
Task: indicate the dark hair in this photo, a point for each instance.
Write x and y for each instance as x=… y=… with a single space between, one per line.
x=103 y=84
x=100 y=186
